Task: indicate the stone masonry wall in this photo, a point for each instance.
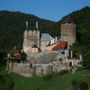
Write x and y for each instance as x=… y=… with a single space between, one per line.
x=22 y=69
x=42 y=64
x=44 y=57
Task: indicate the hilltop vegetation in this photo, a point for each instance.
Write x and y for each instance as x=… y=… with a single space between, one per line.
x=12 y=26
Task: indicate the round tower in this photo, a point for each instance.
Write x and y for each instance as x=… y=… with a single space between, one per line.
x=68 y=31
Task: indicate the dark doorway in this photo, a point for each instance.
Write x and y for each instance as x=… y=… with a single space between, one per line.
x=70 y=64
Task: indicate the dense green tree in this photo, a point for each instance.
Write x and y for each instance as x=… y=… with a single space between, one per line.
x=79 y=85
x=3 y=62
x=6 y=82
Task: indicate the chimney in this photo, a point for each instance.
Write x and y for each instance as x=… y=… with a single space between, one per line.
x=37 y=25
x=71 y=54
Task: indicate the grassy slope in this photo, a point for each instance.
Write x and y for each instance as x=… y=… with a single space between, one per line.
x=59 y=83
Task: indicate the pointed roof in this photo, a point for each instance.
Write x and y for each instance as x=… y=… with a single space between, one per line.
x=46 y=37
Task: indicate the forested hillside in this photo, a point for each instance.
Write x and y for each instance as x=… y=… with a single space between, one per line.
x=12 y=26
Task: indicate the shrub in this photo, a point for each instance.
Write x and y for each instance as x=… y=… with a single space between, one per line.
x=47 y=77
x=6 y=82
x=35 y=88
x=83 y=86
x=80 y=69
x=79 y=85
x=62 y=72
x=3 y=62
x=75 y=85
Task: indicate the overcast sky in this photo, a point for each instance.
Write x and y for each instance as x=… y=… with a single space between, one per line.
x=48 y=9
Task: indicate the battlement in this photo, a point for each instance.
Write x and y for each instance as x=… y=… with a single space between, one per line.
x=34 y=32
x=68 y=26
x=31 y=33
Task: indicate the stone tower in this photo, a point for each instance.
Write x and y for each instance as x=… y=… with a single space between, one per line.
x=68 y=31
x=31 y=38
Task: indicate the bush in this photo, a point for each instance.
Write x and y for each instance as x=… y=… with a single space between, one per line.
x=35 y=88
x=47 y=77
x=83 y=86
x=75 y=85
x=79 y=85
x=6 y=82
x=3 y=62
x=80 y=69
x=62 y=72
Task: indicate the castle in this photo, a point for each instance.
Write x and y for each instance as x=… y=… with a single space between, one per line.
x=34 y=41
x=45 y=54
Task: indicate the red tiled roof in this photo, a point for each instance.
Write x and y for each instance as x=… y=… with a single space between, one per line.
x=61 y=44
x=17 y=55
x=14 y=51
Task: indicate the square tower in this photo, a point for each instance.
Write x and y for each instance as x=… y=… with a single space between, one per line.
x=31 y=37
x=68 y=31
